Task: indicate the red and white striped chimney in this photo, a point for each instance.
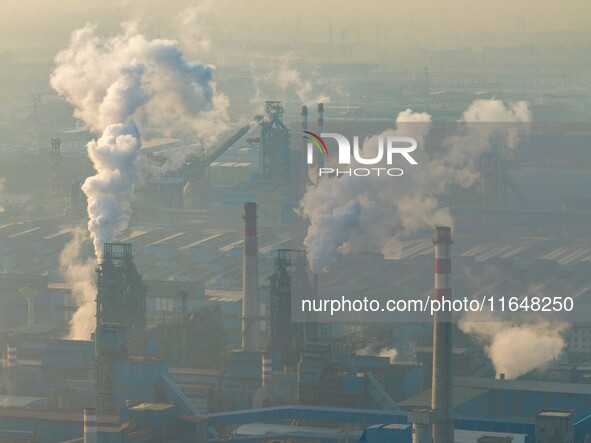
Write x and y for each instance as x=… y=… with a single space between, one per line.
x=250 y=279
x=442 y=383
x=90 y=425
x=267 y=368
x=10 y=356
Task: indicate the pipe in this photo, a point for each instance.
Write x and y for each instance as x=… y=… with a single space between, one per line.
x=442 y=386
x=250 y=279
x=90 y=427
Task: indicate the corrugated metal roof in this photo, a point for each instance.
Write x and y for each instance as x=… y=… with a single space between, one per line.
x=523 y=385
x=16 y=401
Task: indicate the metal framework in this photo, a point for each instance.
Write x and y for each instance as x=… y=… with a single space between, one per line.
x=290 y=276
x=54 y=170
x=121 y=318
x=274 y=149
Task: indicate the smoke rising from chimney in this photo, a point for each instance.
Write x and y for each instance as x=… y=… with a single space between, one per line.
x=371 y=215
x=78 y=273
x=516 y=349
x=111 y=81
x=110 y=191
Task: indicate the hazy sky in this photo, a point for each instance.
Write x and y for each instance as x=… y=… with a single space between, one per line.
x=38 y=28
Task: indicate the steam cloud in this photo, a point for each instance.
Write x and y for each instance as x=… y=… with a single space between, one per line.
x=113 y=84
x=287 y=83
x=391 y=353
x=109 y=80
x=369 y=214
x=109 y=192
x=78 y=273
x=516 y=349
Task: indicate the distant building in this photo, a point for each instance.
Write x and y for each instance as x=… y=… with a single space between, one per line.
x=579 y=342
x=554 y=427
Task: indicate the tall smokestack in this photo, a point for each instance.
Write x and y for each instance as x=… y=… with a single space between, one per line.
x=442 y=393
x=320 y=116
x=267 y=368
x=90 y=429
x=304 y=117
x=10 y=356
x=250 y=278
x=320 y=162
x=11 y=369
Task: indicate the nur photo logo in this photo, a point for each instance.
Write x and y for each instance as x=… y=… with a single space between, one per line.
x=388 y=149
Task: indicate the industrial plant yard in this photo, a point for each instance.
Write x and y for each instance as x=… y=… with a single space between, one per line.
x=238 y=222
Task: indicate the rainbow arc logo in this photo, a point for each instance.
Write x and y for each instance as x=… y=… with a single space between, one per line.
x=317 y=141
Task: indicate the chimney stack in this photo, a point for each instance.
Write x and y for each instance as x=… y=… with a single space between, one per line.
x=304 y=117
x=267 y=368
x=320 y=116
x=320 y=161
x=250 y=279
x=10 y=356
x=442 y=384
x=90 y=429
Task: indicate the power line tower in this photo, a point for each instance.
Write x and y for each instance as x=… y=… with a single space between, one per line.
x=54 y=170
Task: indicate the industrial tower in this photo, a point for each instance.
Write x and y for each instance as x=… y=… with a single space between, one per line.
x=54 y=169
x=275 y=159
x=290 y=282
x=250 y=280
x=120 y=318
x=442 y=385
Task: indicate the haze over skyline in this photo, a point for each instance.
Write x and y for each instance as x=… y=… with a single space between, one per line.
x=34 y=30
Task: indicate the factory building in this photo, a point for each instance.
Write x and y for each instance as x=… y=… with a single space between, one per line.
x=220 y=257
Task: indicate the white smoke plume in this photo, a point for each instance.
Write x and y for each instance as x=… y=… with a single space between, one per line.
x=391 y=353
x=360 y=213
x=289 y=79
x=110 y=191
x=516 y=349
x=193 y=26
x=78 y=273
x=109 y=80
x=284 y=82
x=485 y=123
x=376 y=213
x=112 y=84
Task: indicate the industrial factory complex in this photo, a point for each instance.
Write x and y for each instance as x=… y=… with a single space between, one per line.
x=193 y=338
x=184 y=260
